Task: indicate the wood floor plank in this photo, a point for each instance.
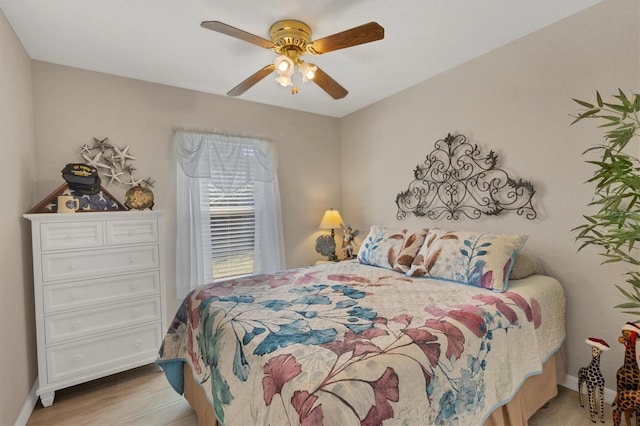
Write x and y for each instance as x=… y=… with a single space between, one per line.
x=137 y=397
x=565 y=410
x=144 y=397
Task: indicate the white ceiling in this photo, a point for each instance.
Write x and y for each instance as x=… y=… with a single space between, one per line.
x=161 y=41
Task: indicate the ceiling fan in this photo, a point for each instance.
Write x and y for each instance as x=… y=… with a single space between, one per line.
x=291 y=39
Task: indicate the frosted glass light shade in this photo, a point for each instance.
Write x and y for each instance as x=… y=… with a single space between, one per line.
x=284 y=65
x=284 y=80
x=308 y=71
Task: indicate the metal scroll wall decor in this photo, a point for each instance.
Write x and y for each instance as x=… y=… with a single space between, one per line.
x=456 y=180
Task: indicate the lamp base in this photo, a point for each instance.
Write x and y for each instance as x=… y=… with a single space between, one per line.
x=326 y=246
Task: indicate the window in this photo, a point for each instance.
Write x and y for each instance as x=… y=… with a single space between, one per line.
x=228 y=209
x=233 y=227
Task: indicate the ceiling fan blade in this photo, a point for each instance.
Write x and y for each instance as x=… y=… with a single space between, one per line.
x=237 y=33
x=249 y=82
x=359 y=35
x=329 y=85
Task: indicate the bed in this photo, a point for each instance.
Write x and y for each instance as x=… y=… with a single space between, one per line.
x=355 y=342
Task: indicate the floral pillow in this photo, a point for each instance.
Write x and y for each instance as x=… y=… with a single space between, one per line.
x=391 y=248
x=474 y=258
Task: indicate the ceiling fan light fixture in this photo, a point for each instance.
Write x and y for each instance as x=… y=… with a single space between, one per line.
x=291 y=39
x=308 y=71
x=284 y=65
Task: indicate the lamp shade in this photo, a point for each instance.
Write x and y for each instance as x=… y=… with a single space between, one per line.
x=284 y=65
x=308 y=71
x=331 y=220
x=284 y=80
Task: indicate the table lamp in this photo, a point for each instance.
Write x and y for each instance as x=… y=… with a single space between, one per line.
x=326 y=244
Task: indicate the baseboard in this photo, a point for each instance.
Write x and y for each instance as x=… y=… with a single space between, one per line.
x=572 y=383
x=28 y=406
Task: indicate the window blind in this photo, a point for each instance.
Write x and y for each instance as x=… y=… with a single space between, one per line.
x=233 y=227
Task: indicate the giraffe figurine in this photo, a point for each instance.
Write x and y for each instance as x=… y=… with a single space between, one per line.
x=592 y=377
x=628 y=376
x=627 y=401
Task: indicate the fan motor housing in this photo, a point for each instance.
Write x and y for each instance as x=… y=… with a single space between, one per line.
x=290 y=34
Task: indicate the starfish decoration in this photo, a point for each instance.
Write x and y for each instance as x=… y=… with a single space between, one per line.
x=85 y=148
x=148 y=182
x=133 y=182
x=129 y=169
x=113 y=175
x=122 y=155
x=110 y=161
x=102 y=144
x=95 y=161
x=114 y=164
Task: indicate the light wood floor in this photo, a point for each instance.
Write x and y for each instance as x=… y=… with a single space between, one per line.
x=137 y=397
x=143 y=397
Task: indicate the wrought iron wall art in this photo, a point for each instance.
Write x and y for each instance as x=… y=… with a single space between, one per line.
x=456 y=180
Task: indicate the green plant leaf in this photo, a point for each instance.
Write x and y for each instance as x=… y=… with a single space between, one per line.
x=629 y=305
x=621 y=108
x=583 y=103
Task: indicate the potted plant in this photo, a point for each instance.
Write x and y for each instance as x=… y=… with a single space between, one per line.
x=615 y=227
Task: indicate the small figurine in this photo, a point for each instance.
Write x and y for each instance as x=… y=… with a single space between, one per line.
x=628 y=402
x=348 y=242
x=628 y=376
x=593 y=378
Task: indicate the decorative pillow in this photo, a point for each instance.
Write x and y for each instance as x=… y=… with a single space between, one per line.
x=523 y=266
x=473 y=258
x=391 y=248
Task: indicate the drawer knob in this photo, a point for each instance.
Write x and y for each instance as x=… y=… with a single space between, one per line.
x=73 y=265
x=76 y=325
x=133 y=259
x=78 y=358
x=75 y=295
x=134 y=285
x=138 y=343
x=136 y=312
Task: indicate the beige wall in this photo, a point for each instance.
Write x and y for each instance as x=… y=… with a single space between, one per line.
x=17 y=170
x=72 y=106
x=516 y=101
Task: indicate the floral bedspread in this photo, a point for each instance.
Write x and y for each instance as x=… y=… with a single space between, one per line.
x=345 y=344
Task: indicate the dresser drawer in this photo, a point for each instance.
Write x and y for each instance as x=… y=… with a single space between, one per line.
x=80 y=294
x=132 y=231
x=93 y=356
x=70 y=235
x=81 y=264
x=89 y=322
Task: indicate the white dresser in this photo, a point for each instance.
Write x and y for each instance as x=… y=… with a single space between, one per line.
x=99 y=294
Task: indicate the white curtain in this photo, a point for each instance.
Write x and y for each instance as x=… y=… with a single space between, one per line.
x=222 y=160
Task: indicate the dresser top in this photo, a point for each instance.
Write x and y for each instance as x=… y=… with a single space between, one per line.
x=87 y=216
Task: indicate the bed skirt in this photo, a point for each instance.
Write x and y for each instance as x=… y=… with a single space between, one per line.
x=534 y=393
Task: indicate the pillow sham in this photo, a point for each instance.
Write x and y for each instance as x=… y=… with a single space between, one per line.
x=391 y=248
x=523 y=266
x=474 y=258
